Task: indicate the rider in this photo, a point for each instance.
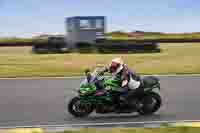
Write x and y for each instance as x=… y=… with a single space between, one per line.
x=129 y=79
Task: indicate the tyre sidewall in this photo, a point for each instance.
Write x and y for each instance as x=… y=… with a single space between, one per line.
x=144 y=110
x=74 y=113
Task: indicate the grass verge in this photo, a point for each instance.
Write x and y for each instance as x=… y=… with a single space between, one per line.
x=113 y=130
x=140 y=130
x=174 y=59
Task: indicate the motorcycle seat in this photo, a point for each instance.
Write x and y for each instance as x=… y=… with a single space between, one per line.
x=149 y=81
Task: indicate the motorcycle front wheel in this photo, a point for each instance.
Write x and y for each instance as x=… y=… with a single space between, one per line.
x=77 y=109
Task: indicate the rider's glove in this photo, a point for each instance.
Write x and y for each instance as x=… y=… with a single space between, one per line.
x=124 y=83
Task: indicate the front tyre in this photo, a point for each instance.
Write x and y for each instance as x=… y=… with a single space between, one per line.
x=150 y=104
x=77 y=109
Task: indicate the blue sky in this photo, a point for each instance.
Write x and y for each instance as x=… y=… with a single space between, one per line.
x=29 y=17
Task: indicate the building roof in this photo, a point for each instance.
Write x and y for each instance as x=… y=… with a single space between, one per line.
x=85 y=17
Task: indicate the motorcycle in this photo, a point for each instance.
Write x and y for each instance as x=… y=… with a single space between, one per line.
x=90 y=98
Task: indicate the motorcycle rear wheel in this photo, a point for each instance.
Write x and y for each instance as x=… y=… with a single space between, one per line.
x=146 y=101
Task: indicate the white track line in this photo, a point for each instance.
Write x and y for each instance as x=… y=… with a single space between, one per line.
x=121 y=123
x=99 y=124
x=78 y=77
x=30 y=78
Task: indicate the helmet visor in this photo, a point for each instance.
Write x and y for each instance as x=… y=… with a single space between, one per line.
x=114 y=67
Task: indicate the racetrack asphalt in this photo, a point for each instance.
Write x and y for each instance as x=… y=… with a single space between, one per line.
x=41 y=102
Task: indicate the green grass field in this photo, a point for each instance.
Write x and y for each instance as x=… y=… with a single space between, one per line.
x=140 y=130
x=14 y=40
x=153 y=35
x=112 y=130
x=174 y=59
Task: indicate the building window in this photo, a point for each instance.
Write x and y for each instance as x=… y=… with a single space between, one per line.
x=84 y=24
x=70 y=25
x=99 y=23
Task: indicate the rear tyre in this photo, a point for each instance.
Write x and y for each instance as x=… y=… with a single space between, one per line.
x=79 y=110
x=150 y=104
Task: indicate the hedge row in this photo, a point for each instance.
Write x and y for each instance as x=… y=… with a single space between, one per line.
x=156 y=40
x=16 y=44
x=117 y=48
x=49 y=48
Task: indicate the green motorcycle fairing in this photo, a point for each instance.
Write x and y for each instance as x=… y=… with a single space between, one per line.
x=88 y=90
x=112 y=83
